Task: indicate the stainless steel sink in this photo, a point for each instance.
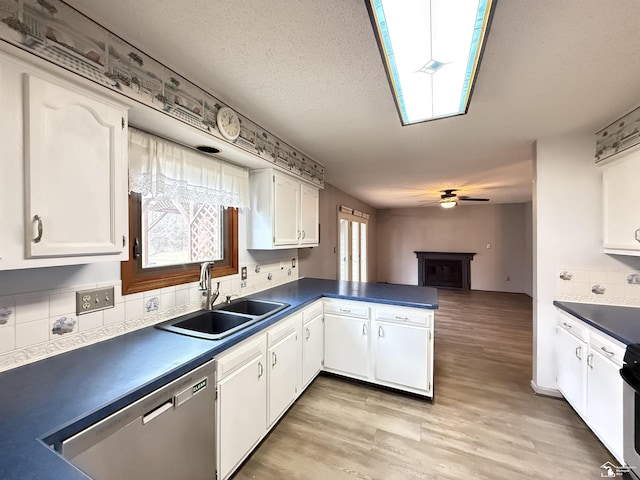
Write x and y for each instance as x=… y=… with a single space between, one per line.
x=224 y=319
x=252 y=306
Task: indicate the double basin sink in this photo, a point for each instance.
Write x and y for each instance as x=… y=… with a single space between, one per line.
x=223 y=320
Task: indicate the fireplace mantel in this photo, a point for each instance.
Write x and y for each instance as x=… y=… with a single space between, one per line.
x=426 y=260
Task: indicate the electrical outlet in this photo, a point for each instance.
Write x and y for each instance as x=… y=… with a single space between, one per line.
x=243 y=283
x=243 y=273
x=94 y=299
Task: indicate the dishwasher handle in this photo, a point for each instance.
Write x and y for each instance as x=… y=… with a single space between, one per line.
x=156 y=412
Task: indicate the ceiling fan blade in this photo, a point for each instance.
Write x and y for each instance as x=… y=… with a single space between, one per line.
x=469 y=199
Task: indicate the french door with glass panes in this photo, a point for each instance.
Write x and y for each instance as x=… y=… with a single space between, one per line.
x=352 y=255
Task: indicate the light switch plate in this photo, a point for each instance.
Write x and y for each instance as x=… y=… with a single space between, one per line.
x=94 y=299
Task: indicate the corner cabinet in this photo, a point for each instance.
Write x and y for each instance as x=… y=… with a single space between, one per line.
x=621 y=215
x=284 y=212
x=64 y=171
x=588 y=376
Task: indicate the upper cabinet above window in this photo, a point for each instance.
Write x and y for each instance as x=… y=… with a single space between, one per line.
x=284 y=212
x=64 y=171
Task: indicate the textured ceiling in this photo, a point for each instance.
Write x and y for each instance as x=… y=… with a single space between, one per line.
x=311 y=73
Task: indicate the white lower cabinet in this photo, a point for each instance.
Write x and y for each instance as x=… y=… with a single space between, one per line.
x=241 y=410
x=410 y=369
x=382 y=344
x=572 y=369
x=260 y=378
x=284 y=355
x=588 y=377
x=312 y=344
x=346 y=345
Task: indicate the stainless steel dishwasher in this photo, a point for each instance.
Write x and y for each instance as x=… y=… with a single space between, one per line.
x=169 y=434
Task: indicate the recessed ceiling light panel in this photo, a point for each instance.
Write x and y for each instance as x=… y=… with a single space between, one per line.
x=431 y=50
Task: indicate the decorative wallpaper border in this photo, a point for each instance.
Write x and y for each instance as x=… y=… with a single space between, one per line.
x=60 y=34
x=621 y=135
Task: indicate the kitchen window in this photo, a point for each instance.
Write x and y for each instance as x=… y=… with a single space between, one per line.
x=183 y=210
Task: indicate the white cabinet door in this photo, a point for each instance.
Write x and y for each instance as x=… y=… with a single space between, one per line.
x=286 y=200
x=75 y=172
x=284 y=374
x=604 y=401
x=309 y=215
x=572 y=369
x=241 y=413
x=346 y=346
x=312 y=349
x=401 y=355
x=621 y=215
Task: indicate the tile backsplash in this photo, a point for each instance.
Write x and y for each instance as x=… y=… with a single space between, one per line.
x=607 y=287
x=37 y=325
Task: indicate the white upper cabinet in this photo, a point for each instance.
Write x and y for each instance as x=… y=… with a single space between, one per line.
x=309 y=215
x=284 y=212
x=75 y=164
x=64 y=171
x=621 y=215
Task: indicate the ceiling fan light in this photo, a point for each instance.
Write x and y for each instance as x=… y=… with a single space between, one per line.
x=448 y=202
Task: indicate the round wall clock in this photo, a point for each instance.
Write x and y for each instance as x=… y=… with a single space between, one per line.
x=228 y=123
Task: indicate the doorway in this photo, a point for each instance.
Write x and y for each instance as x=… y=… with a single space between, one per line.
x=352 y=247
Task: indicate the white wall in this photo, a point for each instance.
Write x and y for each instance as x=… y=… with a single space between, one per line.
x=466 y=228
x=567 y=211
x=322 y=261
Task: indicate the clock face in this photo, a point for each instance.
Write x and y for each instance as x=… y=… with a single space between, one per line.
x=228 y=123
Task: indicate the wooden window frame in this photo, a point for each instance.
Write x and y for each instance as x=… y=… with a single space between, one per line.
x=136 y=279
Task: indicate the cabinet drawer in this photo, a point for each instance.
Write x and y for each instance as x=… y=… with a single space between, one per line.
x=347 y=309
x=312 y=312
x=572 y=325
x=404 y=315
x=282 y=329
x=607 y=348
x=238 y=356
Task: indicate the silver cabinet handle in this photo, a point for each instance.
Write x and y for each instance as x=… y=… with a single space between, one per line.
x=308 y=334
x=364 y=328
x=579 y=352
x=124 y=241
x=607 y=351
x=37 y=218
x=260 y=369
x=303 y=234
x=345 y=310
x=405 y=319
x=274 y=359
x=298 y=237
x=380 y=331
x=590 y=360
x=638 y=235
x=567 y=325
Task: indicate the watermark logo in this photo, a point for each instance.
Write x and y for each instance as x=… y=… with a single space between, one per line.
x=611 y=471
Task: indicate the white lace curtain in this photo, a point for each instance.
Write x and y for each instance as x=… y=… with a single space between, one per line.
x=158 y=167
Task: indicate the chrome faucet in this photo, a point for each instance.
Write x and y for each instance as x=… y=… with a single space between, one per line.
x=205 y=285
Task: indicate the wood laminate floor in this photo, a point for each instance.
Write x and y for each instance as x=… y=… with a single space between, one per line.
x=485 y=421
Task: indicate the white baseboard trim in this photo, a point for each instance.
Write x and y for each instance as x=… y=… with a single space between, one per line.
x=547 y=392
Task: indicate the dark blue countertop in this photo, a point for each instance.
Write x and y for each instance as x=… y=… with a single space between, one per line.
x=621 y=323
x=57 y=397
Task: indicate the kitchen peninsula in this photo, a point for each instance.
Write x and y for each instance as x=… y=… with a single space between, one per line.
x=45 y=402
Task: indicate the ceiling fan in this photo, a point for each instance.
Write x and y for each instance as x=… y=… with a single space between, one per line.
x=449 y=199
